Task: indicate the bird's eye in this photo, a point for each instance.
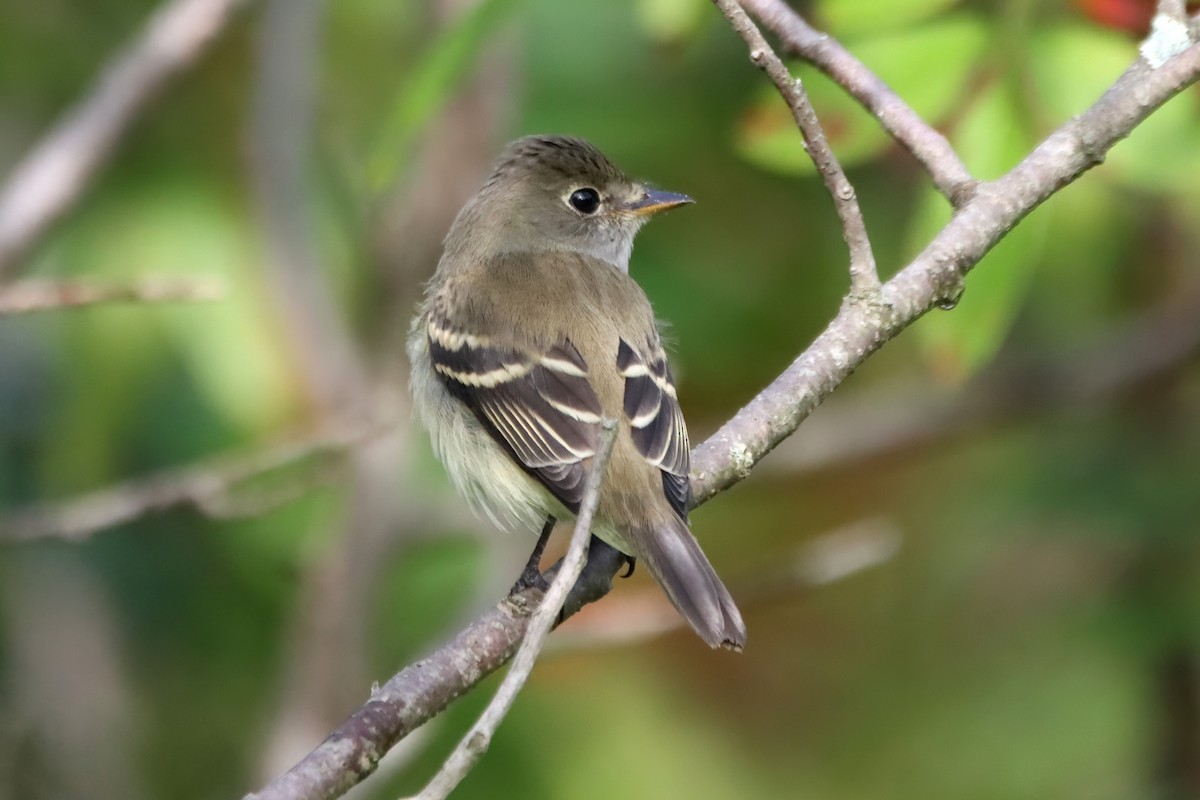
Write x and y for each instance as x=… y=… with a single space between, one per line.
x=585 y=200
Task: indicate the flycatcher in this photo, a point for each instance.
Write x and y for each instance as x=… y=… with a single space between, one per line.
x=530 y=333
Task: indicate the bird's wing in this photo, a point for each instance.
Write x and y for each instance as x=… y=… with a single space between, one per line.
x=538 y=405
x=655 y=419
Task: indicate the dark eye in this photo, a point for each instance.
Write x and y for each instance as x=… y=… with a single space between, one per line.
x=585 y=200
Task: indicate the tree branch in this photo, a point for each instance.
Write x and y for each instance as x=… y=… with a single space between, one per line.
x=55 y=174
x=904 y=418
x=936 y=273
x=413 y=696
x=926 y=144
x=864 y=278
x=25 y=297
x=203 y=486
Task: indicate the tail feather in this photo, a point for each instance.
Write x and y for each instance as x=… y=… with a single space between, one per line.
x=674 y=557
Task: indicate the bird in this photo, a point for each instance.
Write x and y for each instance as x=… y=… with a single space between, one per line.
x=530 y=333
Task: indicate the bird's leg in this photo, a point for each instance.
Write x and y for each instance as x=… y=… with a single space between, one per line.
x=532 y=574
x=630 y=565
x=603 y=562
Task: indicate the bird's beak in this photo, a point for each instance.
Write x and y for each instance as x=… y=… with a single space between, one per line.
x=652 y=201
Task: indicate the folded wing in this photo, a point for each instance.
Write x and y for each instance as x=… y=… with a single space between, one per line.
x=655 y=419
x=538 y=405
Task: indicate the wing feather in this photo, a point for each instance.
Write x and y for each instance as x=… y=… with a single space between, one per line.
x=538 y=406
x=655 y=419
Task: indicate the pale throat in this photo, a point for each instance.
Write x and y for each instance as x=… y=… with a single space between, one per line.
x=616 y=252
x=611 y=245
x=612 y=242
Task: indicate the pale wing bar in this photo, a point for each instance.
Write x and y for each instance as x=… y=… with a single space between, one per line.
x=655 y=419
x=538 y=406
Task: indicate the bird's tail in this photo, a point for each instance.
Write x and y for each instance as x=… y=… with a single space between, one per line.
x=676 y=561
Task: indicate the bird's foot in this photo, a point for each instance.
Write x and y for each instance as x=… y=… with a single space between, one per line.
x=531 y=576
x=604 y=561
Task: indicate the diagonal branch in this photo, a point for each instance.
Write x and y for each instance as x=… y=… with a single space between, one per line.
x=936 y=273
x=412 y=697
x=55 y=174
x=864 y=278
x=926 y=144
x=24 y=297
x=205 y=486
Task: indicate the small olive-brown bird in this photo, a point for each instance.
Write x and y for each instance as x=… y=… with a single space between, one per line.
x=530 y=333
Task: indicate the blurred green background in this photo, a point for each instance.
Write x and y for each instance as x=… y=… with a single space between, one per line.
x=972 y=573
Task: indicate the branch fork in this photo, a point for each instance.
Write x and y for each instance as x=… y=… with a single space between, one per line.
x=864 y=278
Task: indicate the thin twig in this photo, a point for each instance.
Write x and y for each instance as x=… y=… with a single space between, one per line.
x=929 y=147
x=936 y=273
x=201 y=486
x=25 y=297
x=55 y=174
x=258 y=502
x=476 y=742
x=864 y=278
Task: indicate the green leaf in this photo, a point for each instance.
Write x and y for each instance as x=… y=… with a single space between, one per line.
x=927 y=65
x=768 y=137
x=992 y=136
x=431 y=84
x=1074 y=64
x=849 y=17
x=671 y=20
x=957 y=344
x=230 y=347
x=1162 y=153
